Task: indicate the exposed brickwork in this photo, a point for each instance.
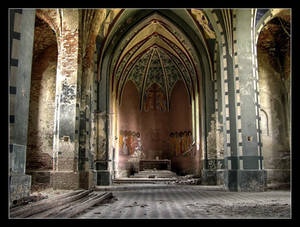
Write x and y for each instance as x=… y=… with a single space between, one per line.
x=66 y=133
x=38 y=160
x=51 y=17
x=44 y=37
x=65 y=180
x=68 y=53
x=65 y=150
x=87 y=179
x=67 y=163
x=42 y=97
x=93 y=20
x=40 y=180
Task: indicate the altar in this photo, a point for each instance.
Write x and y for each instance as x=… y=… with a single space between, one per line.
x=160 y=164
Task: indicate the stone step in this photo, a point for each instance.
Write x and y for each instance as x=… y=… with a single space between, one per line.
x=132 y=180
x=154 y=174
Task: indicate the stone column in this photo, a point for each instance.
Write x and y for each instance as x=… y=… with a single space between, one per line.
x=209 y=174
x=102 y=162
x=19 y=183
x=65 y=174
x=244 y=170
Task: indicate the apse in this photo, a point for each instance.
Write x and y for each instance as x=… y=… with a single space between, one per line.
x=154 y=82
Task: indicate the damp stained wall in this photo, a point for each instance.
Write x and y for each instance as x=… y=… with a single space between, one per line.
x=275 y=126
x=41 y=114
x=155 y=126
x=42 y=99
x=181 y=120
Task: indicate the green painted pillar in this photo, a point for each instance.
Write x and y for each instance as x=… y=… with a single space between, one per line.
x=245 y=171
x=103 y=164
x=19 y=183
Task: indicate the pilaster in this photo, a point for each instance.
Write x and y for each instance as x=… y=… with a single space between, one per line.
x=104 y=176
x=65 y=174
x=246 y=172
x=20 y=184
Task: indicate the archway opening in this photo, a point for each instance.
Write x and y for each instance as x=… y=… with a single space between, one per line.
x=154 y=82
x=273 y=55
x=39 y=160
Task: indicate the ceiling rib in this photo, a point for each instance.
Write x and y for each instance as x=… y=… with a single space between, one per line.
x=172 y=55
x=165 y=80
x=145 y=79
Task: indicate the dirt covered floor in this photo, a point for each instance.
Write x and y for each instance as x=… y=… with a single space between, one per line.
x=193 y=201
x=179 y=201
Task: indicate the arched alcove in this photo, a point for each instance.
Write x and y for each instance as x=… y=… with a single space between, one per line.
x=273 y=57
x=39 y=161
x=181 y=123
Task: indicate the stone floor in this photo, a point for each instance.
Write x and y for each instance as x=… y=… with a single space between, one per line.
x=191 y=202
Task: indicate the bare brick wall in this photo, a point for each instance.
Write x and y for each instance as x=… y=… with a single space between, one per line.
x=42 y=98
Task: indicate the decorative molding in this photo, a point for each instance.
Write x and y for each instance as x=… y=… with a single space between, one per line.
x=225 y=82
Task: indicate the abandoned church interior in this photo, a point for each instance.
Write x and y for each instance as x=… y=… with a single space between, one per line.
x=98 y=96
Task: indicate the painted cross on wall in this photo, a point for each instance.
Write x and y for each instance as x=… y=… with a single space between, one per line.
x=154 y=99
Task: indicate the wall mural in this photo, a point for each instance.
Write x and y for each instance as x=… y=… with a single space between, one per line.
x=130 y=144
x=155 y=99
x=181 y=143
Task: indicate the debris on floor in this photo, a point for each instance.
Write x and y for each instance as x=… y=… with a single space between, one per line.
x=245 y=210
x=187 y=180
x=28 y=200
x=135 y=204
x=191 y=201
x=66 y=205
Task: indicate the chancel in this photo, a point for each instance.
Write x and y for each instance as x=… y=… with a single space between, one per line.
x=101 y=96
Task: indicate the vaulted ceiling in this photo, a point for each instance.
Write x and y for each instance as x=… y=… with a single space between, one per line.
x=155 y=51
x=274 y=39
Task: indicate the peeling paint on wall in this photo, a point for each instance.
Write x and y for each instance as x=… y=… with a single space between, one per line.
x=274 y=123
x=68 y=93
x=101 y=155
x=211 y=140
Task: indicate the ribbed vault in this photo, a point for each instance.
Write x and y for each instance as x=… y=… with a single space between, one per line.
x=154 y=51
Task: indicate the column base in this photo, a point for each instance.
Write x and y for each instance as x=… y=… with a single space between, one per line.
x=212 y=177
x=245 y=180
x=278 y=176
x=103 y=177
x=40 y=179
x=88 y=179
x=68 y=180
x=20 y=186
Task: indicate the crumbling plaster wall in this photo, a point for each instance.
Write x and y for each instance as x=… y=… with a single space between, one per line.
x=156 y=126
x=181 y=120
x=274 y=102
x=129 y=120
x=42 y=99
x=63 y=56
x=90 y=122
x=41 y=117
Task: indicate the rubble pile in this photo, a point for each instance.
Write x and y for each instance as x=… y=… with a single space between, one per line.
x=28 y=200
x=187 y=180
x=67 y=205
